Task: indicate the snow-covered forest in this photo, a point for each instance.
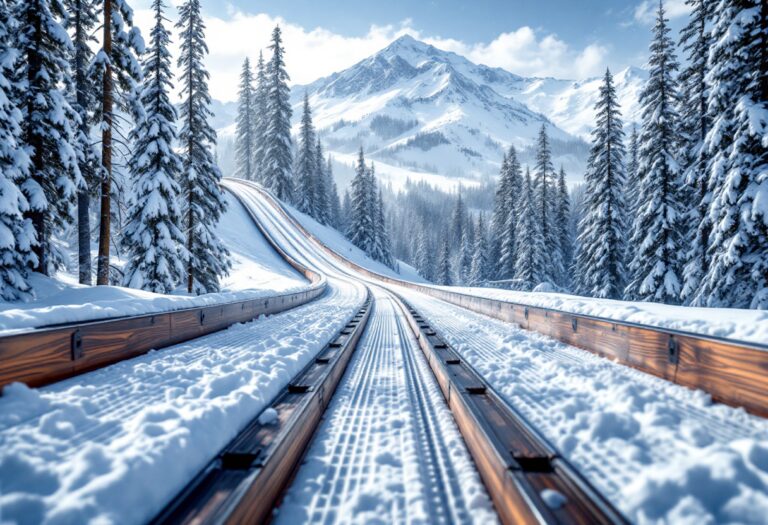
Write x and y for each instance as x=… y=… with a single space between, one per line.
x=95 y=153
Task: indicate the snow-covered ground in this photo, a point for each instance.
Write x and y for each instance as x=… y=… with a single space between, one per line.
x=732 y=323
x=388 y=450
x=114 y=445
x=257 y=271
x=660 y=452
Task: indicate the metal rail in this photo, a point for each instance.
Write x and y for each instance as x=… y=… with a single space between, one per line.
x=732 y=372
x=247 y=479
x=527 y=479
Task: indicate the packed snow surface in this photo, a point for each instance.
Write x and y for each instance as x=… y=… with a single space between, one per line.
x=660 y=452
x=731 y=323
x=115 y=445
x=258 y=271
x=388 y=450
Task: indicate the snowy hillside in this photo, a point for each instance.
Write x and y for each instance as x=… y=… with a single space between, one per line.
x=427 y=114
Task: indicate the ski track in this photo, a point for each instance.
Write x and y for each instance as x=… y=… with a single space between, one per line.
x=388 y=450
x=116 y=444
x=658 y=451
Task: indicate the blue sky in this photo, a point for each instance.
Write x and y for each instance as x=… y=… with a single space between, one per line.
x=560 y=38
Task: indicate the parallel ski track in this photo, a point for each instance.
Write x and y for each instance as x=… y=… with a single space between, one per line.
x=387 y=372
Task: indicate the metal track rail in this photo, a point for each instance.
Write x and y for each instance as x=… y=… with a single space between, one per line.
x=528 y=481
x=732 y=372
x=246 y=480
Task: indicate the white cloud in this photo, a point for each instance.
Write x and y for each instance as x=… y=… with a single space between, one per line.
x=645 y=12
x=525 y=53
x=317 y=52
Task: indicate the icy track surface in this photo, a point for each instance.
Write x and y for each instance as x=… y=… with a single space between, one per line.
x=388 y=450
x=660 y=452
x=257 y=271
x=114 y=445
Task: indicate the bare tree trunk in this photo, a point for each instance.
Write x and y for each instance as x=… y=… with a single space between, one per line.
x=102 y=273
x=84 y=195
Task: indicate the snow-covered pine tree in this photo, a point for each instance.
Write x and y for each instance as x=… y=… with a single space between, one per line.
x=529 y=269
x=444 y=271
x=48 y=133
x=152 y=238
x=458 y=220
x=17 y=235
x=346 y=213
x=320 y=203
x=277 y=140
x=464 y=259
x=304 y=173
x=361 y=229
x=116 y=72
x=82 y=20
x=508 y=200
x=202 y=199
x=696 y=40
x=600 y=262
x=545 y=204
x=382 y=234
x=260 y=119
x=562 y=223
x=632 y=191
x=737 y=145
x=499 y=220
x=657 y=238
x=245 y=127
x=423 y=259
x=480 y=263
x=335 y=218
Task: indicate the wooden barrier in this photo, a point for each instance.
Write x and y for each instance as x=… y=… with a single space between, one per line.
x=732 y=372
x=42 y=356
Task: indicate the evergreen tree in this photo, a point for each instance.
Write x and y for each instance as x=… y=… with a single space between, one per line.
x=116 y=71
x=529 y=269
x=443 y=275
x=507 y=200
x=154 y=242
x=17 y=235
x=632 y=191
x=602 y=238
x=335 y=214
x=458 y=221
x=245 y=126
x=424 y=261
x=562 y=220
x=737 y=148
x=545 y=204
x=657 y=236
x=304 y=195
x=321 y=198
x=361 y=228
x=202 y=198
x=81 y=22
x=499 y=220
x=480 y=263
x=277 y=140
x=260 y=119
x=48 y=136
x=382 y=235
x=464 y=261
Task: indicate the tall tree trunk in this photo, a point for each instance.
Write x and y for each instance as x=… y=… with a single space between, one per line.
x=38 y=217
x=102 y=274
x=84 y=195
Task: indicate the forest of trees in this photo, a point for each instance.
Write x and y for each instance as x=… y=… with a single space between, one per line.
x=85 y=111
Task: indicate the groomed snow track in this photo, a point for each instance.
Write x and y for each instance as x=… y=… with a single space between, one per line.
x=732 y=372
x=526 y=479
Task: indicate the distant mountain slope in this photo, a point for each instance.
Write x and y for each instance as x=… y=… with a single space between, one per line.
x=421 y=112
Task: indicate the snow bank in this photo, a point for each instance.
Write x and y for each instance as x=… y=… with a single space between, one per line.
x=258 y=271
x=731 y=323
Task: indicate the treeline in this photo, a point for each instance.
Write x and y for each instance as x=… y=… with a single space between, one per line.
x=83 y=103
